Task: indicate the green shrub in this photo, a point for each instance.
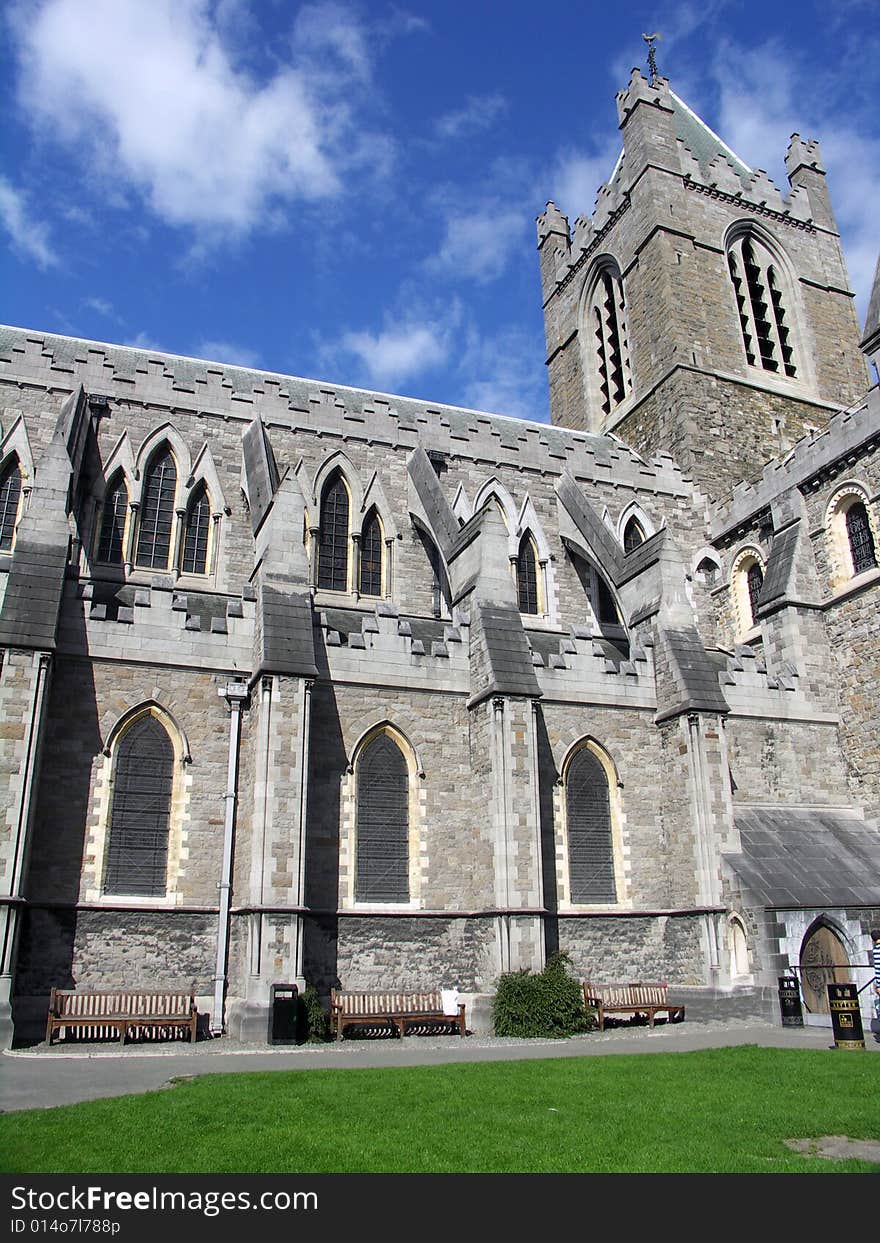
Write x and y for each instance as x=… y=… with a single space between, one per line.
x=550 y=1003
x=312 y=1018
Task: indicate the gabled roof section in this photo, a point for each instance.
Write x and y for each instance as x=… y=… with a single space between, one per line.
x=702 y=141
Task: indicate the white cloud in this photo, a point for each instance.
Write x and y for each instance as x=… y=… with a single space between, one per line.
x=327 y=27
x=479 y=244
x=227 y=352
x=503 y=373
x=576 y=176
x=143 y=341
x=479 y=113
x=102 y=307
x=155 y=98
x=398 y=353
x=29 y=237
x=763 y=104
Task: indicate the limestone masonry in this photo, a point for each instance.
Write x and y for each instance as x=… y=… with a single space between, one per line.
x=307 y=684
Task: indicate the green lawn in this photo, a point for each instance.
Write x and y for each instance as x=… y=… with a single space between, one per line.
x=723 y=1110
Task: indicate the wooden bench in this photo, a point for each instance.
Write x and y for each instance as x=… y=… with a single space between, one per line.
x=637 y=998
x=104 y=1012
x=397 y=1010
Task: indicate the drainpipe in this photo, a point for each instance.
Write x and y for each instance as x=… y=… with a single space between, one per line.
x=9 y=922
x=235 y=693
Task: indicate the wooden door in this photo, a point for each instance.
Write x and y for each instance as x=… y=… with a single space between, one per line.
x=824 y=961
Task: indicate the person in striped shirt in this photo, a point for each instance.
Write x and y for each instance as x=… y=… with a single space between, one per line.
x=875 y=938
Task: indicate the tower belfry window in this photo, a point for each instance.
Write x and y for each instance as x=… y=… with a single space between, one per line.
x=760 y=302
x=607 y=323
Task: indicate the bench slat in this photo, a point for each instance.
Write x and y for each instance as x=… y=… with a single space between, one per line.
x=121 y=1011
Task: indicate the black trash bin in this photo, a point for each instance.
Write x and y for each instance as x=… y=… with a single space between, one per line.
x=790 y=1001
x=846 y=1018
x=282 y=1014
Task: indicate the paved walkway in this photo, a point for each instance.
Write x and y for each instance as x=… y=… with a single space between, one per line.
x=41 y=1077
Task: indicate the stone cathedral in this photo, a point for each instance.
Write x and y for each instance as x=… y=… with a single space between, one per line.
x=303 y=683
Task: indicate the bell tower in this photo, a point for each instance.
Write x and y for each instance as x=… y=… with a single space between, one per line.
x=697 y=309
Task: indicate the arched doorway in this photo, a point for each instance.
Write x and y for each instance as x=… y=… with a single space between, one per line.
x=824 y=961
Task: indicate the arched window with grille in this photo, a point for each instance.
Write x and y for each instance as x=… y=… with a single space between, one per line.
x=764 y=305
x=196 y=533
x=157 y=512
x=142 y=787
x=633 y=535
x=754 y=582
x=527 y=576
x=382 y=834
x=334 y=540
x=111 y=541
x=370 y=576
x=588 y=819
x=10 y=497
x=861 y=538
x=605 y=323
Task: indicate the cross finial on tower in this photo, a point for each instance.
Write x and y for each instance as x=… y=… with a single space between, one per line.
x=652 y=55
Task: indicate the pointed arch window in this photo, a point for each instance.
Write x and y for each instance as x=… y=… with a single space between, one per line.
x=370 y=577
x=588 y=818
x=606 y=323
x=754 y=582
x=333 y=548
x=157 y=512
x=10 y=496
x=527 y=576
x=143 y=777
x=633 y=535
x=382 y=842
x=764 y=308
x=111 y=542
x=861 y=538
x=197 y=531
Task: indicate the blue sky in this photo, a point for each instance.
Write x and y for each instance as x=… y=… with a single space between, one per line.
x=348 y=191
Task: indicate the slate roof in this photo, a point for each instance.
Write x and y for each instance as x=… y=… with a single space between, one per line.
x=872 y=319
x=702 y=141
x=33 y=594
x=288 y=643
x=780 y=565
x=510 y=659
x=794 y=857
x=695 y=674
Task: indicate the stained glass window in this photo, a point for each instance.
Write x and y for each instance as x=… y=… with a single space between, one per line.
x=371 y=556
x=110 y=545
x=333 y=548
x=10 y=495
x=588 y=813
x=157 y=512
x=633 y=535
x=137 y=855
x=195 y=540
x=382 y=853
x=527 y=576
